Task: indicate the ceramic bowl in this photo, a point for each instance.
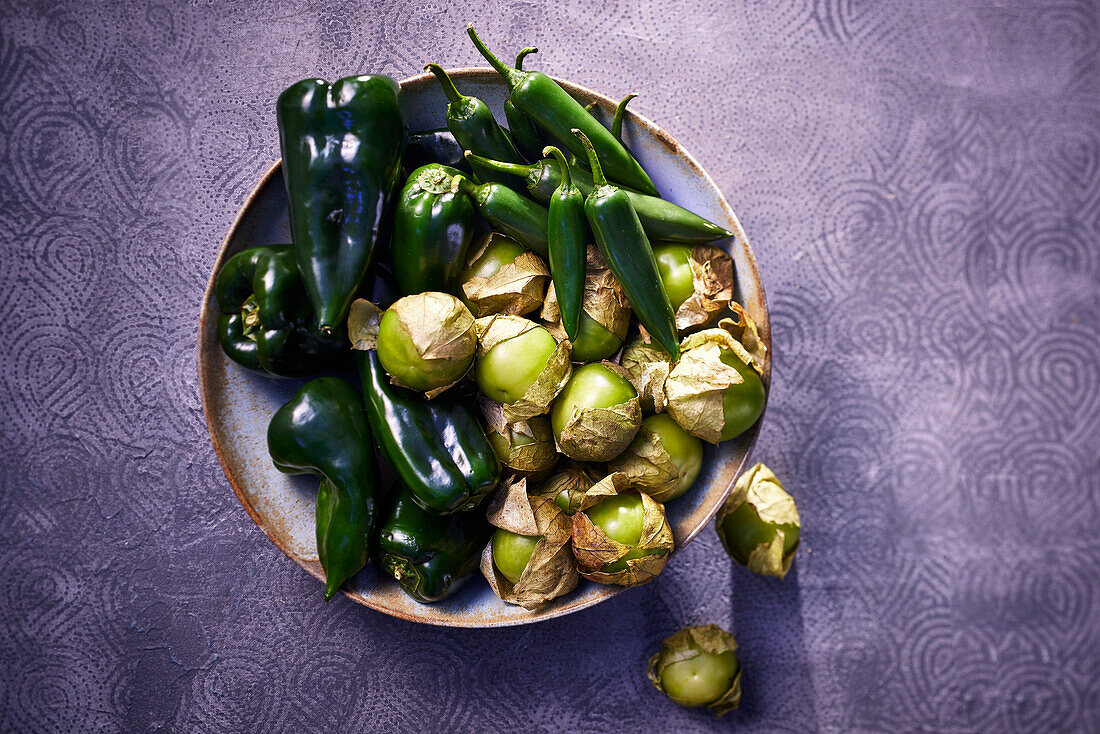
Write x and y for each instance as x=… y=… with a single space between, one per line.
x=238 y=404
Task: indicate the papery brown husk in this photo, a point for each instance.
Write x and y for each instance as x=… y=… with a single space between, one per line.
x=364 y=319
x=712 y=277
x=686 y=645
x=492 y=330
x=697 y=382
x=517 y=288
x=648 y=465
x=761 y=489
x=552 y=570
x=529 y=459
x=601 y=434
x=441 y=329
x=743 y=328
x=647 y=365
x=594 y=550
x=604 y=299
x=571 y=478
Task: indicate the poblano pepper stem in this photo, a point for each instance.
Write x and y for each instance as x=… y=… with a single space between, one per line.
x=567 y=235
x=662 y=219
x=554 y=110
x=624 y=246
x=474 y=127
x=511 y=213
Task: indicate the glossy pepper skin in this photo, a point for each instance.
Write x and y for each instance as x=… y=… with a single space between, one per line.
x=342 y=145
x=432 y=230
x=526 y=135
x=437 y=447
x=435 y=146
x=474 y=127
x=322 y=430
x=624 y=246
x=556 y=112
x=430 y=555
x=509 y=212
x=661 y=219
x=568 y=237
x=267 y=324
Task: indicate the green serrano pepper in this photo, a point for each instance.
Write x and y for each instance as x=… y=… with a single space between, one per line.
x=525 y=133
x=513 y=214
x=568 y=236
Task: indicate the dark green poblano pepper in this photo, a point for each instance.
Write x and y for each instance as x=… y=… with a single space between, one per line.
x=322 y=430
x=435 y=146
x=430 y=555
x=342 y=145
x=267 y=324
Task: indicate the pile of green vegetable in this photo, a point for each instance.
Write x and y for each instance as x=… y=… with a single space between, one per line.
x=543 y=345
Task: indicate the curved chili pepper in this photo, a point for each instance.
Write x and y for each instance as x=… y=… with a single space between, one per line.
x=617 y=121
x=568 y=235
x=322 y=430
x=342 y=146
x=555 y=111
x=525 y=133
x=476 y=129
x=432 y=230
x=435 y=146
x=513 y=214
x=662 y=219
x=624 y=246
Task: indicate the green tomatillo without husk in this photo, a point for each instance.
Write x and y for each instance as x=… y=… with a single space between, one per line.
x=598 y=413
x=759 y=524
x=663 y=460
x=503 y=277
x=698 y=666
x=520 y=365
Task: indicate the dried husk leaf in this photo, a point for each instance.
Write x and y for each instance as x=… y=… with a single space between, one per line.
x=743 y=328
x=552 y=570
x=526 y=458
x=601 y=434
x=594 y=550
x=441 y=329
x=696 y=383
x=363 y=321
x=761 y=489
x=604 y=299
x=570 y=478
x=492 y=330
x=647 y=365
x=648 y=465
x=686 y=645
x=712 y=276
x=517 y=288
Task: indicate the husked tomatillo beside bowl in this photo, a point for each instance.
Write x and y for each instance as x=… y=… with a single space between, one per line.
x=759 y=524
x=698 y=666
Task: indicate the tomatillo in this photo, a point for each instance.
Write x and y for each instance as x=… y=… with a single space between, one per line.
x=597 y=415
x=663 y=461
x=701 y=680
x=512 y=552
x=743 y=403
x=620 y=518
x=674 y=267
x=506 y=372
x=426 y=341
x=593 y=341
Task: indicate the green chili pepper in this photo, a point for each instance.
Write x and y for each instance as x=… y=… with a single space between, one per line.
x=617 y=121
x=476 y=129
x=661 y=219
x=342 y=146
x=431 y=556
x=568 y=235
x=555 y=111
x=436 y=447
x=435 y=146
x=267 y=324
x=511 y=213
x=527 y=136
x=322 y=430
x=432 y=230
x=624 y=246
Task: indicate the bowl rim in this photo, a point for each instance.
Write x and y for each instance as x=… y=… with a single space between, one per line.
x=313 y=567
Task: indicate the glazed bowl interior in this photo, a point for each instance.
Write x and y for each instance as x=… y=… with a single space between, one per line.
x=239 y=404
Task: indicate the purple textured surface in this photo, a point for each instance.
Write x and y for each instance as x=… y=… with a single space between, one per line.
x=921 y=183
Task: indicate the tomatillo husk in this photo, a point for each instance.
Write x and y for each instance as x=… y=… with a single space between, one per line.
x=688 y=646
x=696 y=384
x=712 y=276
x=518 y=287
x=551 y=570
x=648 y=365
x=604 y=301
x=601 y=434
x=758 y=524
x=567 y=486
x=493 y=330
x=595 y=551
x=436 y=327
x=744 y=330
x=651 y=467
x=525 y=447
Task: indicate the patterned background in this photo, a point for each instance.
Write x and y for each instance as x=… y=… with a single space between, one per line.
x=921 y=182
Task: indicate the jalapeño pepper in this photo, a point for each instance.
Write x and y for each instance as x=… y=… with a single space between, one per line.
x=525 y=133
x=513 y=214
